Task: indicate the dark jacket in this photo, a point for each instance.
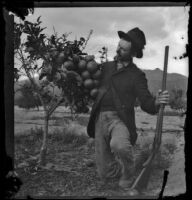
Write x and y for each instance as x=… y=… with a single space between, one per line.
x=127 y=84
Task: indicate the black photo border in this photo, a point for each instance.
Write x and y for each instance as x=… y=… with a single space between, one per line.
x=20 y=8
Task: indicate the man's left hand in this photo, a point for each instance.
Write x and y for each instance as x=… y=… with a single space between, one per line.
x=162 y=97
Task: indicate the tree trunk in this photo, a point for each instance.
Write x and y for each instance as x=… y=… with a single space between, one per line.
x=48 y=113
x=72 y=114
x=43 y=151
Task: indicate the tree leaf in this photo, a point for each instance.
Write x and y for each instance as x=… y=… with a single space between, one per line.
x=38 y=19
x=82 y=39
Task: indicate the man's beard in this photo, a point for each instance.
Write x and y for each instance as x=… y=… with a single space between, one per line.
x=123 y=58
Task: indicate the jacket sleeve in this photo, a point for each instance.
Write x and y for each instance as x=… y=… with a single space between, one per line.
x=142 y=92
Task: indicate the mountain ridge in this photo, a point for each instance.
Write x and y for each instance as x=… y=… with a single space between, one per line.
x=154 y=80
x=174 y=80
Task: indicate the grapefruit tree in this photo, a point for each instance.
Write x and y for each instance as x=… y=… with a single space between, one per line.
x=58 y=62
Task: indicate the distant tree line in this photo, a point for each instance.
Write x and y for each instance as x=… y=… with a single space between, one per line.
x=27 y=98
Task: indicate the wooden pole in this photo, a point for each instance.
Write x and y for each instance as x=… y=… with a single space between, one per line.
x=142 y=180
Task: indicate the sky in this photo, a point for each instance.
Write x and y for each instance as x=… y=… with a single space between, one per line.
x=161 y=25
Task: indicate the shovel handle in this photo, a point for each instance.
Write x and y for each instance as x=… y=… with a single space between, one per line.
x=143 y=178
x=165 y=68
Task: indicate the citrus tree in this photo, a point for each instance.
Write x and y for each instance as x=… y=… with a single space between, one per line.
x=57 y=62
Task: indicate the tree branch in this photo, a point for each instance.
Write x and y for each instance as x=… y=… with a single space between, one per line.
x=34 y=85
x=88 y=37
x=56 y=104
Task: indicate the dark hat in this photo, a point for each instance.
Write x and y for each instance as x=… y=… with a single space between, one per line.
x=137 y=37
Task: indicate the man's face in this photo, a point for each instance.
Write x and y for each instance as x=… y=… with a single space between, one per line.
x=124 y=50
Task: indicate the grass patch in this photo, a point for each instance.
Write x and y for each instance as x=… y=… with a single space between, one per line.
x=35 y=135
x=170 y=147
x=172 y=113
x=55 y=140
x=163 y=158
x=67 y=136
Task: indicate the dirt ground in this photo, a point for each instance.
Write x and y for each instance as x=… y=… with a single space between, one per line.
x=70 y=169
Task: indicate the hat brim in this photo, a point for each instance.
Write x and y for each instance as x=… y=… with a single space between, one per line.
x=123 y=35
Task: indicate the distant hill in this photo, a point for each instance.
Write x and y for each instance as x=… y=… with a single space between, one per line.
x=174 y=80
x=154 y=78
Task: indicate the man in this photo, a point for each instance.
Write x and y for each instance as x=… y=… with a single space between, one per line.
x=112 y=119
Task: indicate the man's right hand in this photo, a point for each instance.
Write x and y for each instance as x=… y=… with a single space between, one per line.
x=162 y=97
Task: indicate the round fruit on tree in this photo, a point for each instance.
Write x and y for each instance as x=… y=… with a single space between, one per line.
x=72 y=74
x=92 y=66
x=57 y=76
x=75 y=58
x=49 y=68
x=69 y=65
x=82 y=65
x=88 y=83
x=54 y=52
x=46 y=69
x=67 y=51
x=85 y=75
x=61 y=58
x=47 y=55
x=49 y=78
x=63 y=75
x=97 y=75
x=89 y=58
x=63 y=68
x=94 y=92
